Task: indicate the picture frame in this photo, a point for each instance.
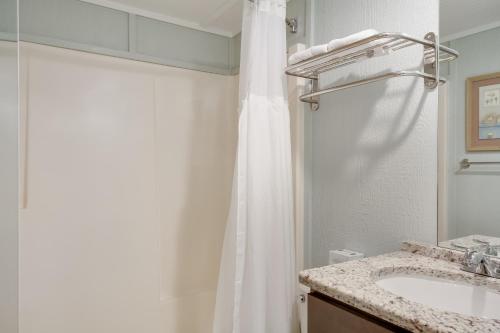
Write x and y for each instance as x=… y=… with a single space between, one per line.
x=483 y=113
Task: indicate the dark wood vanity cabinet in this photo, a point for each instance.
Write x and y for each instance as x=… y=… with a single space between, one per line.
x=326 y=315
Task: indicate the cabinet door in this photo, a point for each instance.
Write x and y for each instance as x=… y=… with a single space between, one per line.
x=326 y=315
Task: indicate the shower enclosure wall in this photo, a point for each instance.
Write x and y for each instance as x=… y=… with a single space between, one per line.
x=126 y=170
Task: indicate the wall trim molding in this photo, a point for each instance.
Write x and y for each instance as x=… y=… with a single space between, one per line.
x=8 y=37
x=124 y=54
x=469 y=32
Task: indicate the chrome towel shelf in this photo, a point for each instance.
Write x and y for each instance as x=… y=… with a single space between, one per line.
x=382 y=43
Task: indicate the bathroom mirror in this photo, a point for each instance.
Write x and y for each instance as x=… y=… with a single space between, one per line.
x=8 y=166
x=469 y=127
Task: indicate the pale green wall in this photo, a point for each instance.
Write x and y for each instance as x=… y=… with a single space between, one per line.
x=8 y=20
x=300 y=9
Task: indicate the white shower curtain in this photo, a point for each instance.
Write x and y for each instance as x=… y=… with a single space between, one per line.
x=257 y=276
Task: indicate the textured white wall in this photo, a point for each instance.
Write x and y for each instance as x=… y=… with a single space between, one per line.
x=8 y=186
x=473 y=194
x=129 y=168
x=374 y=147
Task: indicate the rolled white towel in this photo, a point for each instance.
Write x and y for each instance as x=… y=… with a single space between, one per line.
x=307 y=53
x=338 y=43
x=380 y=51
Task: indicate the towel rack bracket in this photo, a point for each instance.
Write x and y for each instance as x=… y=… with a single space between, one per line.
x=431 y=64
x=465 y=164
x=314 y=101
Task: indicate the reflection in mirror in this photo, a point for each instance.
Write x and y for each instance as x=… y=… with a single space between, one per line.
x=469 y=128
x=8 y=166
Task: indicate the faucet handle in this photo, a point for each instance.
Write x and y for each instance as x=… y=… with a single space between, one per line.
x=473 y=261
x=492 y=267
x=481 y=261
x=472 y=257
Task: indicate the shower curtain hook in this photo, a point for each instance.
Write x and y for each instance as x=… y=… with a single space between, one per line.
x=292 y=22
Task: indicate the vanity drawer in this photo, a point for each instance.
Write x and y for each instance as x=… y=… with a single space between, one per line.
x=326 y=315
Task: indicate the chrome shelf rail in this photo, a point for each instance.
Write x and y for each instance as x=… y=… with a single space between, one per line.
x=366 y=48
x=309 y=97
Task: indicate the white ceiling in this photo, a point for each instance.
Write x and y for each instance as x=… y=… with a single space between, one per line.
x=222 y=17
x=459 y=18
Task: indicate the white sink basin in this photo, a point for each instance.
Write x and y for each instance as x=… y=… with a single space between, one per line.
x=445 y=295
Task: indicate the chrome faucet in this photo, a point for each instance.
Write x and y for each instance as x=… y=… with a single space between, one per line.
x=480 y=260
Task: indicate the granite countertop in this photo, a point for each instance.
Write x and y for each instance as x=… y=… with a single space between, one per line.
x=353 y=283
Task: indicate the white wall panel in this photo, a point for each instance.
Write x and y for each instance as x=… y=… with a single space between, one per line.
x=129 y=168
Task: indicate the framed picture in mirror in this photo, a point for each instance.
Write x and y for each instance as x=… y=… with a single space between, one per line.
x=483 y=113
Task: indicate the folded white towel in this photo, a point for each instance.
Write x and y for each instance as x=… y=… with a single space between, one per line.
x=338 y=43
x=335 y=44
x=307 y=53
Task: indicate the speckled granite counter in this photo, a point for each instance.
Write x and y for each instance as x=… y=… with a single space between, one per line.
x=354 y=283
